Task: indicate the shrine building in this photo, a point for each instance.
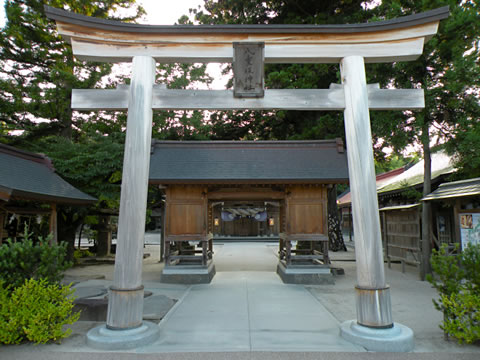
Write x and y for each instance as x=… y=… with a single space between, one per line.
x=241 y=189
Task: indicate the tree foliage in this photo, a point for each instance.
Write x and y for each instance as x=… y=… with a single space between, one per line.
x=37 y=74
x=448 y=71
x=282 y=125
x=93 y=163
x=38 y=70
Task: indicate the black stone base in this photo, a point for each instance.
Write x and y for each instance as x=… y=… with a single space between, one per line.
x=188 y=274
x=307 y=275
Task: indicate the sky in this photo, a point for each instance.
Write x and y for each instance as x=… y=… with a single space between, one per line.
x=159 y=12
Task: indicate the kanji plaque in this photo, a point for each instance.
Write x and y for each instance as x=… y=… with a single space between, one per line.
x=248 y=71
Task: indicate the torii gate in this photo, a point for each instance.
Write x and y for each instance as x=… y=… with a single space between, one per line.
x=249 y=47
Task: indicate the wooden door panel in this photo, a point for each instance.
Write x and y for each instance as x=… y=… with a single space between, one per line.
x=186 y=219
x=306 y=218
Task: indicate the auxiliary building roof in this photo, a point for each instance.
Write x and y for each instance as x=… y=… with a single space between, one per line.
x=237 y=162
x=31 y=176
x=455 y=189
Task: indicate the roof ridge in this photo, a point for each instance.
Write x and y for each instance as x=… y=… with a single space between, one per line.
x=27 y=155
x=446 y=184
x=251 y=144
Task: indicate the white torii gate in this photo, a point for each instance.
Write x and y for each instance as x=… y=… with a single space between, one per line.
x=350 y=45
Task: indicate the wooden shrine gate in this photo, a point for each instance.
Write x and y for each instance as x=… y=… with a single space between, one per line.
x=248 y=47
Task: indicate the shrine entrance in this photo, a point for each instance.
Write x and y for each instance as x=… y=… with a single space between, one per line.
x=248 y=47
x=249 y=220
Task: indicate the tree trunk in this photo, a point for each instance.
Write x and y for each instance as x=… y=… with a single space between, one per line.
x=67 y=228
x=426 y=207
x=66 y=124
x=335 y=236
x=80 y=236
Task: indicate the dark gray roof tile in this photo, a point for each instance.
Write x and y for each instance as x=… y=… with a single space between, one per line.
x=248 y=162
x=31 y=176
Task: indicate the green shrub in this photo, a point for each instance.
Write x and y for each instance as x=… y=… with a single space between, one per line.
x=457 y=280
x=36 y=311
x=79 y=254
x=464 y=322
x=8 y=325
x=25 y=259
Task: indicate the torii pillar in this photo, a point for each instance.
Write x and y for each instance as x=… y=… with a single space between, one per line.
x=124 y=328
x=351 y=46
x=374 y=327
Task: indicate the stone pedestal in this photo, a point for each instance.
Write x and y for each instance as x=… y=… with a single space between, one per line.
x=397 y=338
x=103 y=338
x=307 y=275
x=188 y=274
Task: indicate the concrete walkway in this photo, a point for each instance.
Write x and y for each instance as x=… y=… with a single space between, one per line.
x=248 y=313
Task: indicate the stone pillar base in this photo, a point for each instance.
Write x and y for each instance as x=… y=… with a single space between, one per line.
x=103 y=338
x=398 y=338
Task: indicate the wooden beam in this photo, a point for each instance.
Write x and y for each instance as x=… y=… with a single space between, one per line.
x=5 y=193
x=242 y=195
x=53 y=224
x=321 y=53
x=288 y=99
x=395 y=99
x=2 y=222
x=378 y=41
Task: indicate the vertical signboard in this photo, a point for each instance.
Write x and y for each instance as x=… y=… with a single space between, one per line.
x=470 y=229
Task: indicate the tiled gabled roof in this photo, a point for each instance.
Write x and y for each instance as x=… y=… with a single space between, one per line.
x=31 y=176
x=441 y=164
x=455 y=189
x=248 y=162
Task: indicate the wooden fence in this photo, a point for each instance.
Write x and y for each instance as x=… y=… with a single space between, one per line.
x=401 y=234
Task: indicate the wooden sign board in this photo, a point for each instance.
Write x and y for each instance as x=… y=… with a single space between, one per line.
x=248 y=59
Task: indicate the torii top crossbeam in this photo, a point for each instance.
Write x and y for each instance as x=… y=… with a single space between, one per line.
x=113 y=41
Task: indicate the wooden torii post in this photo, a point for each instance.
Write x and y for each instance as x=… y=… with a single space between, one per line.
x=349 y=45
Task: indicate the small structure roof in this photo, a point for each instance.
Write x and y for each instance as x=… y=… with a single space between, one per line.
x=240 y=162
x=455 y=189
x=441 y=164
x=31 y=176
x=399 y=207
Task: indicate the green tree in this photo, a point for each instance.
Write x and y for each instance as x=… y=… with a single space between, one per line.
x=38 y=70
x=37 y=74
x=176 y=124
x=92 y=164
x=448 y=72
x=283 y=124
